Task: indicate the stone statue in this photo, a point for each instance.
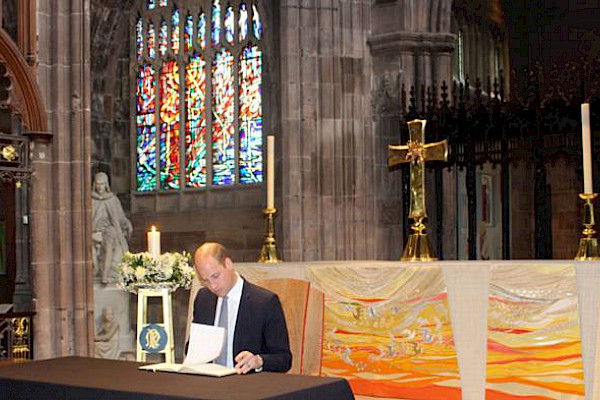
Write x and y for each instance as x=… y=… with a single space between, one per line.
x=111 y=228
x=106 y=341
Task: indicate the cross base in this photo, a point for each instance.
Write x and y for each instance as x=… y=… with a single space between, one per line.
x=588 y=249
x=418 y=247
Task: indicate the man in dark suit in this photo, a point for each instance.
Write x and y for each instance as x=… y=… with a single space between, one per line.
x=257 y=336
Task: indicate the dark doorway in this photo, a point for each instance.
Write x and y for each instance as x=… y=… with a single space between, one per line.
x=7 y=241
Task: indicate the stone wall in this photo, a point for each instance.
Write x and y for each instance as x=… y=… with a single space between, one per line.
x=111 y=94
x=232 y=217
x=328 y=149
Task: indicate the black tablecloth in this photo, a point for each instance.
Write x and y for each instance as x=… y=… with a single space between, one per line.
x=92 y=378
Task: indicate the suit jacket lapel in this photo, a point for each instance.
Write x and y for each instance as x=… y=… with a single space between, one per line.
x=208 y=313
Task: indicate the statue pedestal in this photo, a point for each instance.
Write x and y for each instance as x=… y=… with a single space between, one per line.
x=109 y=296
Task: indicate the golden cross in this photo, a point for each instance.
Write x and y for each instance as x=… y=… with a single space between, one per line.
x=417 y=152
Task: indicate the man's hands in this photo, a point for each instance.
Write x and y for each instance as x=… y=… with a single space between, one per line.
x=246 y=362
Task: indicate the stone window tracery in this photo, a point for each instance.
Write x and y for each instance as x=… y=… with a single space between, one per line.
x=480 y=51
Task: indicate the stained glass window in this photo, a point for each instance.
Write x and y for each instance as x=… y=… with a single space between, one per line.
x=256 y=24
x=229 y=24
x=216 y=22
x=175 y=31
x=243 y=21
x=189 y=33
x=202 y=31
x=169 y=125
x=195 y=128
x=146 y=128
x=222 y=116
x=151 y=40
x=199 y=105
x=139 y=37
x=250 y=116
x=163 y=38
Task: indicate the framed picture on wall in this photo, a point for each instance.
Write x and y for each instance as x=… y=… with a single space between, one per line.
x=487 y=200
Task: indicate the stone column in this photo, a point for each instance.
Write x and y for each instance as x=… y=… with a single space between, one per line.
x=327 y=148
x=60 y=190
x=421 y=57
x=411 y=45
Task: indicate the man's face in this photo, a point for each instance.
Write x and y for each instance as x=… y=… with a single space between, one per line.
x=218 y=278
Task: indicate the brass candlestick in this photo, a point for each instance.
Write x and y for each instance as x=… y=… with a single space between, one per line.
x=268 y=253
x=588 y=244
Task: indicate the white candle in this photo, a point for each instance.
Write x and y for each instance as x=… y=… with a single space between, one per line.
x=587 y=148
x=270 y=171
x=154 y=242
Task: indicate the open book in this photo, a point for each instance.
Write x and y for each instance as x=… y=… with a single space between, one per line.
x=197 y=369
x=206 y=342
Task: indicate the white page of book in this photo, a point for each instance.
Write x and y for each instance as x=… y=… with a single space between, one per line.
x=206 y=342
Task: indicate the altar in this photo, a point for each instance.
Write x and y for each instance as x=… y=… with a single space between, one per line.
x=443 y=330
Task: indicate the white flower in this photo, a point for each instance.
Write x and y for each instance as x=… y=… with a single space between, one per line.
x=128 y=271
x=140 y=273
x=164 y=272
x=142 y=269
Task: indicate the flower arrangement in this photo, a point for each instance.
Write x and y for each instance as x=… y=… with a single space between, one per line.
x=141 y=269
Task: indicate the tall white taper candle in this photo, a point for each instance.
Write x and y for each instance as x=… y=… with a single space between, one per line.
x=270 y=171
x=587 y=148
x=154 y=242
